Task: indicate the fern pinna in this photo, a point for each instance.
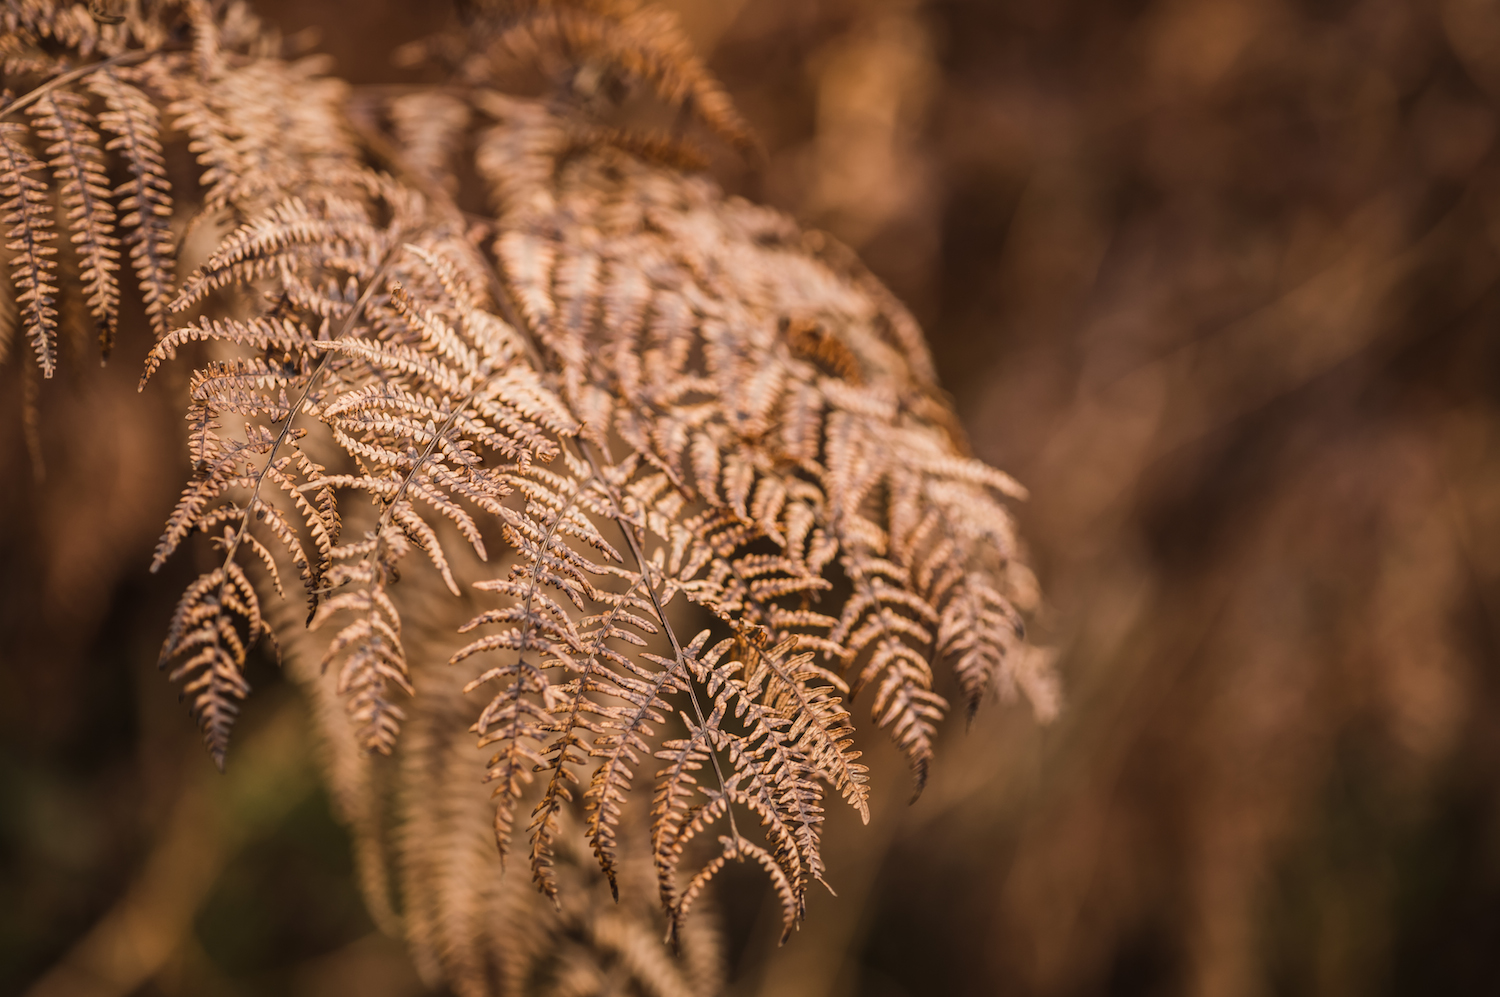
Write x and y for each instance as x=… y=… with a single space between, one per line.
x=726 y=494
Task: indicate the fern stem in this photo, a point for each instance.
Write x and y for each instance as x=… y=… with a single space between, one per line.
x=312 y=379
x=536 y=572
x=661 y=614
x=506 y=303
x=123 y=59
x=385 y=514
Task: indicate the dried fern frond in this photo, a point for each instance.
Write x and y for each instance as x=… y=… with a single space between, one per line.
x=235 y=483
x=63 y=121
x=783 y=398
x=73 y=59
x=794 y=739
x=423 y=817
x=135 y=121
x=77 y=163
x=662 y=412
x=268 y=492
x=28 y=215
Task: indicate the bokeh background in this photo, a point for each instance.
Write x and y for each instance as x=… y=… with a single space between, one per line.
x=1218 y=280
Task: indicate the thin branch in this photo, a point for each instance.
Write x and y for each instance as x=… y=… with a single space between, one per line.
x=661 y=612
x=123 y=59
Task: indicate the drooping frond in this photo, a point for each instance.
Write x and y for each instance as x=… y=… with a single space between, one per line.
x=77 y=163
x=793 y=739
x=425 y=818
x=516 y=720
x=135 y=121
x=270 y=482
x=216 y=620
x=29 y=218
x=582 y=720
x=373 y=658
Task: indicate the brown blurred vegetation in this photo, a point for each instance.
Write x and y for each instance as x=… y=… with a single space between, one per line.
x=1218 y=280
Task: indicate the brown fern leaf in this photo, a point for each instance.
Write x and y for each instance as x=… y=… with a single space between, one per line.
x=781 y=398
x=469 y=926
x=409 y=394
x=516 y=719
x=294 y=240
x=195 y=111
x=270 y=460
x=584 y=719
x=373 y=656
x=794 y=737
x=624 y=740
x=229 y=464
x=648 y=391
x=413 y=444
x=257 y=145
x=135 y=121
x=796 y=690
x=458 y=404
x=28 y=213
x=773 y=775
x=206 y=634
x=676 y=824
x=674 y=818
x=63 y=49
x=77 y=163
x=205 y=631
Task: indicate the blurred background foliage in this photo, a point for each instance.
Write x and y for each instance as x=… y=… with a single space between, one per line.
x=1218 y=280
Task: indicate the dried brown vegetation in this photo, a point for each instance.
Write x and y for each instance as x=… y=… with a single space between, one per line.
x=684 y=467
x=1216 y=279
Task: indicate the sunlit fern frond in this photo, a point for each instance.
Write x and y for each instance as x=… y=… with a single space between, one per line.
x=771 y=389
x=620 y=410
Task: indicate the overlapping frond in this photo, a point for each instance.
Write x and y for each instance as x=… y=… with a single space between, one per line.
x=99 y=88
x=781 y=401
x=216 y=620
